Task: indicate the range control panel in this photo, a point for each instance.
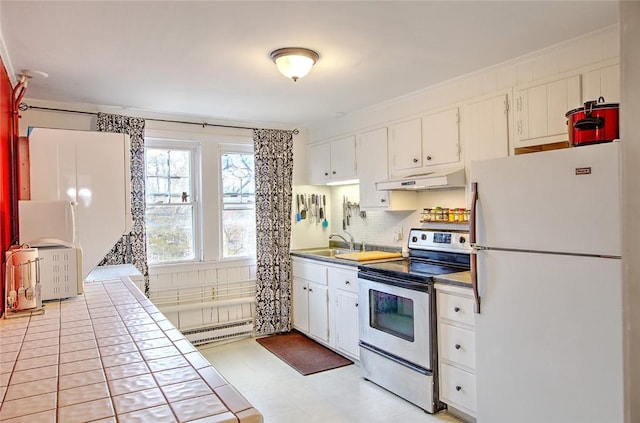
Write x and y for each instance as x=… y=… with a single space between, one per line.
x=429 y=239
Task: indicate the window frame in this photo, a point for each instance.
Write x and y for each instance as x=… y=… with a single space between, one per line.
x=224 y=148
x=195 y=196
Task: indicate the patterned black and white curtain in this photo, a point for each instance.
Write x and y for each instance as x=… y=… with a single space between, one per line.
x=132 y=247
x=273 y=150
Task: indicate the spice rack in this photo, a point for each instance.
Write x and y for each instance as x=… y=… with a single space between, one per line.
x=445 y=215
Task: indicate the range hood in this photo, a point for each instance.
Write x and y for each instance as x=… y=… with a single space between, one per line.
x=451 y=178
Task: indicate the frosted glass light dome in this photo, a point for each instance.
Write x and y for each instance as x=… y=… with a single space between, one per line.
x=294 y=62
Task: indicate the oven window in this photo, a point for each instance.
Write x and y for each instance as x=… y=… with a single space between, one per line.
x=391 y=314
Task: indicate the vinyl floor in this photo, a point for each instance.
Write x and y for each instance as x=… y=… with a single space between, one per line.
x=285 y=396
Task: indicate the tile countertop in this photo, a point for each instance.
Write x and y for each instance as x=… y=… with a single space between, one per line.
x=109 y=356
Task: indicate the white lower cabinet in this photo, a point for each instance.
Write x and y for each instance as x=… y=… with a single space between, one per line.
x=343 y=292
x=456 y=349
x=310 y=299
x=325 y=304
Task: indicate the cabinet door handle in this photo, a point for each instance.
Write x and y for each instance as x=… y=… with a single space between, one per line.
x=310 y=290
x=356 y=304
x=382 y=200
x=334 y=172
x=326 y=174
x=304 y=288
x=347 y=283
x=415 y=160
x=457 y=346
x=456 y=309
x=428 y=157
x=458 y=388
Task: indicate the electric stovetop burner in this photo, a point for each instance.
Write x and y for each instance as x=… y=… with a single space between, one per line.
x=431 y=253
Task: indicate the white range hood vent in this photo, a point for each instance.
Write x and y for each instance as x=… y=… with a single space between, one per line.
x=451 y=178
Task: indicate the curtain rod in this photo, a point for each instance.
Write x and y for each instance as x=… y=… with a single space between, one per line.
x=24 y=106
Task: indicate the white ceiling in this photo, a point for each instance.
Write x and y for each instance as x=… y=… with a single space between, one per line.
x=211 y=58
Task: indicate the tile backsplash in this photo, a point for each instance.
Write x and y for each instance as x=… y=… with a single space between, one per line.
x=380 y=227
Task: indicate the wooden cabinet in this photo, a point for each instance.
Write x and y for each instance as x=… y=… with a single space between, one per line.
x=456 y=349
x=343 y=292
x=310 y=299
x=540 y=109
x=333 y=161
x=486 y=128
x=372 y=159
x=419 y=144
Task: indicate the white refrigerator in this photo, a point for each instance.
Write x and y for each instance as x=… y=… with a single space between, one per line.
x=547 y=273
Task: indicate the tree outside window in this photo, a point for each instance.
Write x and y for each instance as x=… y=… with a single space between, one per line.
x=238 y=204
x=170 y=206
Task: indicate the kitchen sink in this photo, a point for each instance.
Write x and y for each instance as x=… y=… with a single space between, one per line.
x=329 y=252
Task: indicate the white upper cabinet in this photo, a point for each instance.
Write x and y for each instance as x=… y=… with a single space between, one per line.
x=333 y=161
x=371 y=152
x=441 y=138
x=603 y=82
x=540 y=109
x=486 y=128
x=417 y=145
x=405 y=146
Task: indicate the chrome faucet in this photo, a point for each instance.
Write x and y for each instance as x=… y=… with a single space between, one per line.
x=351 y=241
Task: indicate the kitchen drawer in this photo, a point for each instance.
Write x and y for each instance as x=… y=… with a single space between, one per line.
x=346 y=280
x=455 y=308
x=309 y=271
x=458 y=388
x=457 y=345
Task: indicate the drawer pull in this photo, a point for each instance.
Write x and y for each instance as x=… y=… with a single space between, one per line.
x=310 y=290
x=347 y=283
x=456 y=309
x=304 y=288
x=356 y=304
x=457 y=346
x=458 y=388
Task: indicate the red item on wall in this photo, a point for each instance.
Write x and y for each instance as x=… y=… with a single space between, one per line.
x=6 y=197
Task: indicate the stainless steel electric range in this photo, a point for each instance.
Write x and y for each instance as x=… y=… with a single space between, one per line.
x=398 y=348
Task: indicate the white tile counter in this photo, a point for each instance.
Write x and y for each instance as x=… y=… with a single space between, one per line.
x=109 y=356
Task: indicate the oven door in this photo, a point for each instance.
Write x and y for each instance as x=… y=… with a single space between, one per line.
x=395 y=319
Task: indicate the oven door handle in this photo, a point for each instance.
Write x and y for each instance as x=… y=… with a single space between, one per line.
x=396 y=359
x=474 y=252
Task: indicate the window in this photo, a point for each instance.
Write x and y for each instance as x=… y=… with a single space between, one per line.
x=171 y=206
x=238 y=202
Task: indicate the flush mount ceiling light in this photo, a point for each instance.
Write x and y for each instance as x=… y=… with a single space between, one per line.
x=294 y=62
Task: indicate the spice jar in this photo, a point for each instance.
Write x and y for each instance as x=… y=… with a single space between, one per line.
x=452 y=215
x=437 y=214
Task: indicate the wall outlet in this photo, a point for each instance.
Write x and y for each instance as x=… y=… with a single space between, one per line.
x=398 y=233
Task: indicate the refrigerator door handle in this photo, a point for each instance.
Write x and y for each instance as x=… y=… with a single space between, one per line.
x=474 y=282
x=472 y=217
x=472 y=241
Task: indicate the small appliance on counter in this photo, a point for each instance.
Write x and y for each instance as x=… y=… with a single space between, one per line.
x=49 y=226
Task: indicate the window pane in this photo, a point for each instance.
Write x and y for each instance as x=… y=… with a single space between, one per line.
x=238 y=232
x=238 y=203
x=170 y=224
x=170 y=233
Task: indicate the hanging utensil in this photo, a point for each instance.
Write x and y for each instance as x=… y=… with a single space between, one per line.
x=325 y=222
x=298 y=216
x=303 y=213
x=344 y=212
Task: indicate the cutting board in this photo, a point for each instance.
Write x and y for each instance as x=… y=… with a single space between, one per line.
x=368 y=255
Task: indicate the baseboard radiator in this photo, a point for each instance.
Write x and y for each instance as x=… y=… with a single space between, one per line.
x=219 y=332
